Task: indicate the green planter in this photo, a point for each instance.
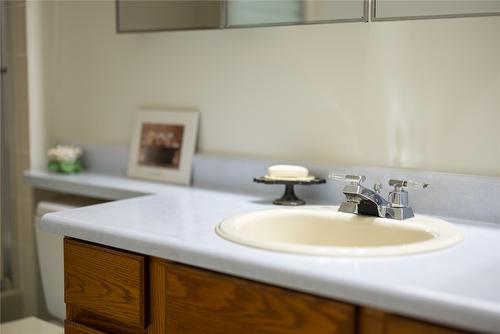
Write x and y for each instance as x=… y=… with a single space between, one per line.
x=64 y=167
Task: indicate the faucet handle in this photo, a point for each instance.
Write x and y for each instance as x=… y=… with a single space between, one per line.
x=399 y=196
x=398 y=184
x=347 y=178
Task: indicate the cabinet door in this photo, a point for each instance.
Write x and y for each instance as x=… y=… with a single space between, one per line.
x=105 y=288
x=379 y=322
x=202 y=301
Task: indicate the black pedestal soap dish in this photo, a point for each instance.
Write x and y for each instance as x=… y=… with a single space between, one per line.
x=289 y=197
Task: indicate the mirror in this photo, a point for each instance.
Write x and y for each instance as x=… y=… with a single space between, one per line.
x=384 y=10
x=251 y=13
x=159 y=15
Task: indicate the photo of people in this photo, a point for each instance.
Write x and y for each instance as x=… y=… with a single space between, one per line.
x=160 y=145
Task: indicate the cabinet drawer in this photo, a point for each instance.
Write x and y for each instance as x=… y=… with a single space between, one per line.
x=109 y=283
x=201 y=301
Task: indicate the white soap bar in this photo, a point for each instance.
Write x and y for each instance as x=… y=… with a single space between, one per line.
x=287 y=172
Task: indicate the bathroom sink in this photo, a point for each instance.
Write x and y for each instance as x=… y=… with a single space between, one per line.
x=325 y=231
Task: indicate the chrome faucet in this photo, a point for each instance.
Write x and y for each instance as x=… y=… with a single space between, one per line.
x=364 y=201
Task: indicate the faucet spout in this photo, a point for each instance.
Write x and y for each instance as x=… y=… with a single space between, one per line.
x=364 y=201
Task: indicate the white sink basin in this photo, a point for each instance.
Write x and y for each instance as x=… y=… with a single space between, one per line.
x=325 y=231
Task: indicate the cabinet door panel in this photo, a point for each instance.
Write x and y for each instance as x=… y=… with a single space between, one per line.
x=379 y=322
x=106 y=282
x=201 y=301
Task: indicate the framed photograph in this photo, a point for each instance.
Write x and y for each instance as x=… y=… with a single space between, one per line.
x=163 y=144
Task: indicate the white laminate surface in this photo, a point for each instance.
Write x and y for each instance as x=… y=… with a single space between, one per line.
x=458 y=286
x=92 y=184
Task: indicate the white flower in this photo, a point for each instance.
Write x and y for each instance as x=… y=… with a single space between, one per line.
x=64 y=153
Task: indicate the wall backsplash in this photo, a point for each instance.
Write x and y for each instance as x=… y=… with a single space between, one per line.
x=466 y=197
x=414 y=94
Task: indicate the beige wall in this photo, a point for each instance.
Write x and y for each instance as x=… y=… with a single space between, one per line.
x=417 y=94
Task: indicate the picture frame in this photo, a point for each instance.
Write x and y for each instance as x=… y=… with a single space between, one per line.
x=162 y=145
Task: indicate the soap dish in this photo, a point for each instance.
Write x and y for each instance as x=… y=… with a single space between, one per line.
x=289 y=197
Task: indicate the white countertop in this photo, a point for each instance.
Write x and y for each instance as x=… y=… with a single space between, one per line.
x=93 y=184
x=459 y=286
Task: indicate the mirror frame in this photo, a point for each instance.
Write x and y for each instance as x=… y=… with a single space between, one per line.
x=222 y=20
x=363 y=18
x=224 y=25
x=374 y=18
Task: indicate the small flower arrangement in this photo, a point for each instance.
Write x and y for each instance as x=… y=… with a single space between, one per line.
x=65 y=159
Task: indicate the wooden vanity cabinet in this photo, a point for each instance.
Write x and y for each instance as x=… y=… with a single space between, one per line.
x=113 y=291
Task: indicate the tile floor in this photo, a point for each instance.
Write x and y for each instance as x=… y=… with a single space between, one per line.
x=30 y=325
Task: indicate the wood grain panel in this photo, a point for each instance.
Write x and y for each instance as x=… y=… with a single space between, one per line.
x=158 y=292
x=107 y=292
x=71 y=327
x=98 y=322
x=378 y=322
x=201 y=301
x=106 y=282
